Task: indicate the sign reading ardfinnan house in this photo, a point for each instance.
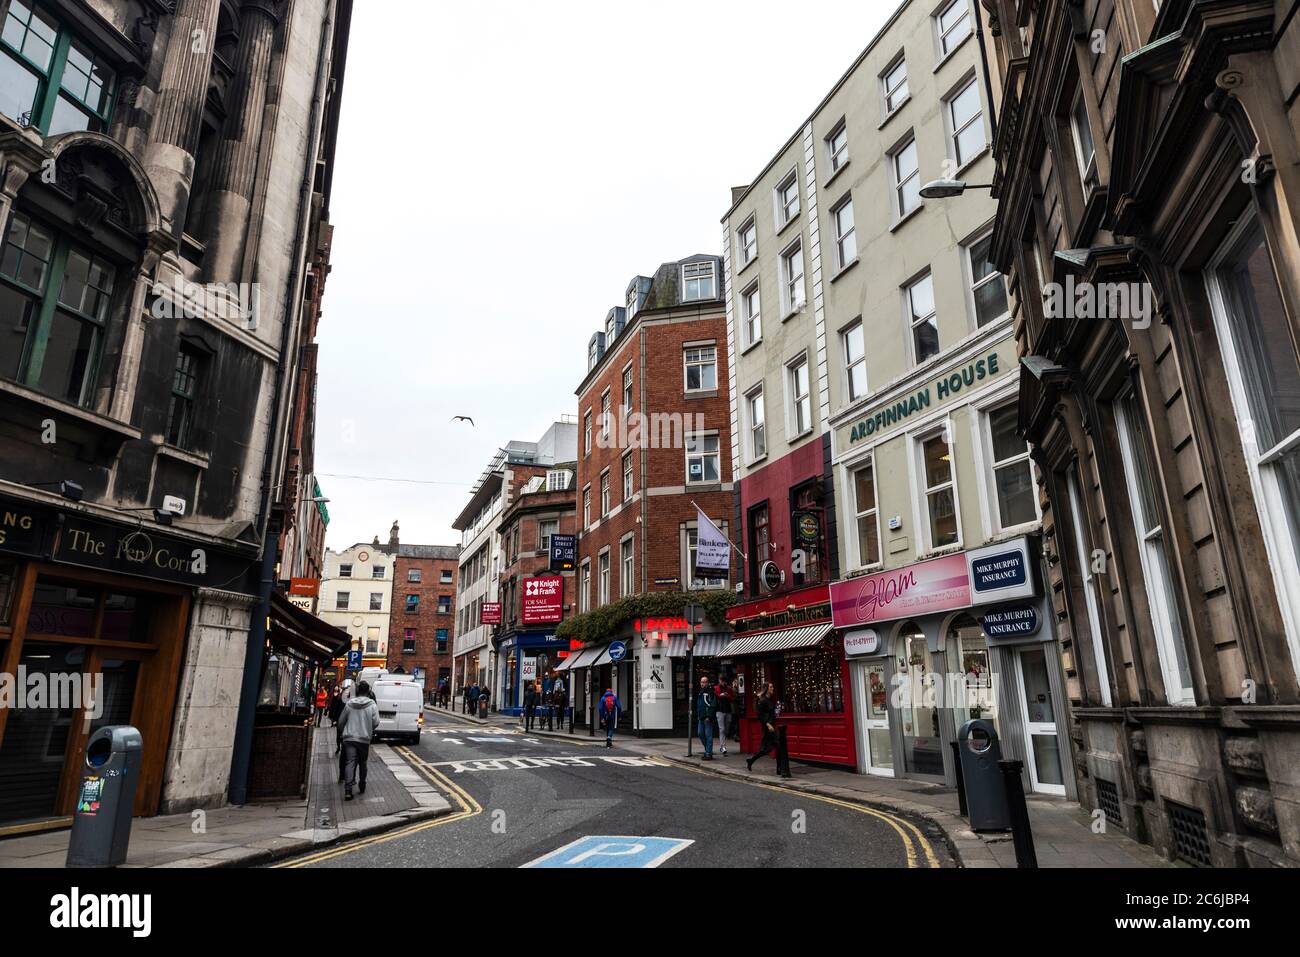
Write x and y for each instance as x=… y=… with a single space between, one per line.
x=948 y=387
x=72 y=538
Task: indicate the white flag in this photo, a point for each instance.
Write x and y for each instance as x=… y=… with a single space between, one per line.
x=712 y=549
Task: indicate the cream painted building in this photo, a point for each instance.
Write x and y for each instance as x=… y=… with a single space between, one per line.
x=874 y=361
x=356 y=595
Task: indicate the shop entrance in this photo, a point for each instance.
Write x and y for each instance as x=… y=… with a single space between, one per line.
x=873 y=714
x=918 y=712
x=1040 y=724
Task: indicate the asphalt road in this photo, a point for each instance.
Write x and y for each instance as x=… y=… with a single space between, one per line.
x=521 y=798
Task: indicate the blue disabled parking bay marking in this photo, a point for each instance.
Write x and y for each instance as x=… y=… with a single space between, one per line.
x=613 y=851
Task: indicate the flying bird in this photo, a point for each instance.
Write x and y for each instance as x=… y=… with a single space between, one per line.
x=463 y=418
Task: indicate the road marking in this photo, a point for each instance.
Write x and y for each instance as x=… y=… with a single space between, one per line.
x=613 y=851
x=560 y=761
x=468 y=808
x=900 y=825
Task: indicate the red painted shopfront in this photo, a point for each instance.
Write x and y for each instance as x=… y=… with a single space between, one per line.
x=789 y=640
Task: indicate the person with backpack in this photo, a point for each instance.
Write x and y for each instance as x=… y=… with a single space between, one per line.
x=725 y=703
x=474 y=692
x=360 y=719
x=706 y=706
x=609 y=709
x=766 y=710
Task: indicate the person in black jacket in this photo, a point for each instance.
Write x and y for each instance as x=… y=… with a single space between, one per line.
x=530 y=705
x=766 y=711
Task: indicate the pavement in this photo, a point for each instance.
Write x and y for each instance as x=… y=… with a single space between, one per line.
x=1062 y=830
x=396 y=796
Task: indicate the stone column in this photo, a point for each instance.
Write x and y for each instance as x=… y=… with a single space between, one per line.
x=178 y=110
x=235 y=169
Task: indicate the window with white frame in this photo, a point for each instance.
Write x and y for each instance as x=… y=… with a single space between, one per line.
x=605 y=417
x=747 y=241
x=1013 y=476
x=953 y=26
x=988 y=288
x=1085 y=150
x=604 y=492
x=703 y=459
x=345 y=571
x=939 y=491
x=697 y=281
x=627 y=391
x=706 y=578
x=626 y=565
x=907 y=177
x=701 y=368
x=853 y=341
x=584 y=592
x=1255 y=337
x=787 y=199
x=751 y=310
x=837 y=147
x=921 y=318
x=792 y=285
x=413 y=575
x=377 y=600
x=545 y=529
x=1148 y=527
x=966 y=123
x=627 y=477
x=586 y=507
x=757 y=424
x=631 y=303
x=846 y=241
x=586 y=433
x=800 y=397
x=557 y=480
x=602 y=577
x=864 y=503
x=893 y=84
x=1082 y=553
x=341 y=600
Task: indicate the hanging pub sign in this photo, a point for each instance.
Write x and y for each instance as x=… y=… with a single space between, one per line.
x=771 y=575
x=808 y=528
x=1011 y=621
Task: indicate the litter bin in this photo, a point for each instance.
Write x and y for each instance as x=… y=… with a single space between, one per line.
x=986 y=793
x=101 y=821
x=483 y=707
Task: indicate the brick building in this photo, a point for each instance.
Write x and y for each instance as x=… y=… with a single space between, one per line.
x=654 y=424
x=422 y=624
x=543 y=504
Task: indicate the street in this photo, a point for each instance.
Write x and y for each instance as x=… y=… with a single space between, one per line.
x=522 y=798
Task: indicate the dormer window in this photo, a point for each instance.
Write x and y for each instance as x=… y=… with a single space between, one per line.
x=49 y=80
x=697 y=281
x=632 y=303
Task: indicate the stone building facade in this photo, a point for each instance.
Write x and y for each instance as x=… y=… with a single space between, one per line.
x=1146 y=185
x=164 y=169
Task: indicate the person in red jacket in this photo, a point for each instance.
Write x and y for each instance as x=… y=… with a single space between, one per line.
x=322 y=702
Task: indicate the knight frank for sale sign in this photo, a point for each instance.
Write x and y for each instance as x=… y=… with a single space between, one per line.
x=543 y=600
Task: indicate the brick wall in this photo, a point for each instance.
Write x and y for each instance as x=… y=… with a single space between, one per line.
x=425 y=622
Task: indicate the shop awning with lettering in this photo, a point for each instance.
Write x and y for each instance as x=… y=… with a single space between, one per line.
x=786 y=639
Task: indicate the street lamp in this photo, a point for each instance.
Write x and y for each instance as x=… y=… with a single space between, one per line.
x=944 y=188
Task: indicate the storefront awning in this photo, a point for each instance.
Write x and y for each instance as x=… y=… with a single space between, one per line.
x=706 y=646
x=603 y=658
x=582 y=659
x=783 y=640
x=301 y=631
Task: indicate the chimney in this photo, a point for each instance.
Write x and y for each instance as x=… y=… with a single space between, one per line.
x=392 y=534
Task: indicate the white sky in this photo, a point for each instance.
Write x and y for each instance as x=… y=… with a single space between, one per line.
x=503 y=170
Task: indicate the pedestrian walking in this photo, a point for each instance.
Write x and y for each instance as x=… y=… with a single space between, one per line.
x=360 y=718
x=322 y=703
x=474 y=692
x=766 y=710
x=560 y=695
x=737 y=708
x=726 y=705
x=530 y=705
x=609 y=710
x=464 y=699
x=706 y=706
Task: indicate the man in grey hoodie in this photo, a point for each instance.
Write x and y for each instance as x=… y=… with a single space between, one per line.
x=357 y=727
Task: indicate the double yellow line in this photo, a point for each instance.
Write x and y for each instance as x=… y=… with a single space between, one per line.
x=468 y=808
x=905 y=829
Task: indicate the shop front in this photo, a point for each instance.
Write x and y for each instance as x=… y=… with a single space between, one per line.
x=94 y=616
x=790 y=642
x=933 y=645
x=527 y=657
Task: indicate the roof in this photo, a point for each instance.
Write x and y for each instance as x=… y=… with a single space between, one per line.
x=436 y=552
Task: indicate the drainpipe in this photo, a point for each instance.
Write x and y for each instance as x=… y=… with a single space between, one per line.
x=243 y=747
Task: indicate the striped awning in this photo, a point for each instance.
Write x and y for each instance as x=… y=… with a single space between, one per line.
x=706 y=646
x=582 y=659
x=784 y=640
x=603 y=658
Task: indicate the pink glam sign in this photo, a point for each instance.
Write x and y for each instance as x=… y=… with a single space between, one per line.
x=940 y=584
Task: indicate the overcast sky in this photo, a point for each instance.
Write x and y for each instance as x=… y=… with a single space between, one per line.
x=503 y=170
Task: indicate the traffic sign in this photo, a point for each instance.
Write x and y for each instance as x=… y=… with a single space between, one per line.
x=617 y=651
x=354 y=659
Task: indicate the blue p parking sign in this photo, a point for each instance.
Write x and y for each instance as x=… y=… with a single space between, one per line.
x=354 y=660
x=613 y=851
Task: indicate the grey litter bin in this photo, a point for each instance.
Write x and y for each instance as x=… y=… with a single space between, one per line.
x=101 y=821
x=986 y=793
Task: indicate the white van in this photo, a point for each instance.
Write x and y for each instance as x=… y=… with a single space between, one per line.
x=401 y=707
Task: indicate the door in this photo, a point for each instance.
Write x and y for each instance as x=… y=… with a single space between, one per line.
x=874 y=717
x=917 y=712
x=1044 y=751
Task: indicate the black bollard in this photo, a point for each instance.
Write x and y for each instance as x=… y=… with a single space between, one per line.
x=782 y=753
x=961 y=780
x=1021 y=833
